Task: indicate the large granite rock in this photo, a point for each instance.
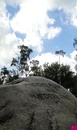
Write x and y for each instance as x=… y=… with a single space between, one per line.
x=36 y=103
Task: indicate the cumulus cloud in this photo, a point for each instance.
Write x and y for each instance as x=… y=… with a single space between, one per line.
x=53 y=32
x=13 y=3
x=69 y=8
x=32 y=19
x=52 y=58
x=73 y=15
x=34 y=23
x=4 y=21
x=8 y=48
x=8 y=40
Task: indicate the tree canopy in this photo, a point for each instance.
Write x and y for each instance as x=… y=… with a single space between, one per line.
x=21 y=62
x=60 y=74
x=60 y=52
x=75 y=43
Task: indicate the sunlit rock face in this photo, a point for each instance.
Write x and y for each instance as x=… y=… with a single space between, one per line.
x=36 y=103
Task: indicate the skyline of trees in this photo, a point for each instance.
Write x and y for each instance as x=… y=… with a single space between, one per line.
x=56 y=71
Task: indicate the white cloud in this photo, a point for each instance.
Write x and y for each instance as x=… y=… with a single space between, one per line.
x=53 y=32
x=13 y=2
x=74 y=16
x=62 y=4
x=8 y=48
x=4 y=27
x=52 y=58
x=69 y=8
x=46 y=57
x=33 y=20
x=34 y=40
x=4 y=21
x=8 y=39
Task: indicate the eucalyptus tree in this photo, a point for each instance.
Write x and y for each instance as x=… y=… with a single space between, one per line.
x=21 y=61
x=60 y=53
x=75 y=43
x=76 y=64
x=35 y=68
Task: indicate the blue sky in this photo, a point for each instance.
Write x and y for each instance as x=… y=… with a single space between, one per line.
x=43 y=25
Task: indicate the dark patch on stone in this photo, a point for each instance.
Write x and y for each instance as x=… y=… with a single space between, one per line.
x=31 y=121
x=4 y=105
x=5 y=115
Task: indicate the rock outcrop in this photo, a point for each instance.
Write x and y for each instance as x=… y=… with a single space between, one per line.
x=36 y=103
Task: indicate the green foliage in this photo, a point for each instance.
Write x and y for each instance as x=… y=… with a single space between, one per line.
x=74 y=90
x=24 y=54
x=60 y=52
x=45 y=65
x=74 y=45
x=4 y=71
x=57 y=72
x=35 y=68
x=66 y=76
x=60 y=74
x=75 y=42
x=53 y=72
x=21 y=62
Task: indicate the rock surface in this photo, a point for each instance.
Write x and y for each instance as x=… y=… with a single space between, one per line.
x=36 y=103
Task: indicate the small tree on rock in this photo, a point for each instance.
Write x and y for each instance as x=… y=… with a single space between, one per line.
x=35 y=68
x=4 y=75
x=21 y=62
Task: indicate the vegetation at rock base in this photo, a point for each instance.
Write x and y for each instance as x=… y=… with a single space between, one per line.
x=60 y=74
x=57 y=72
